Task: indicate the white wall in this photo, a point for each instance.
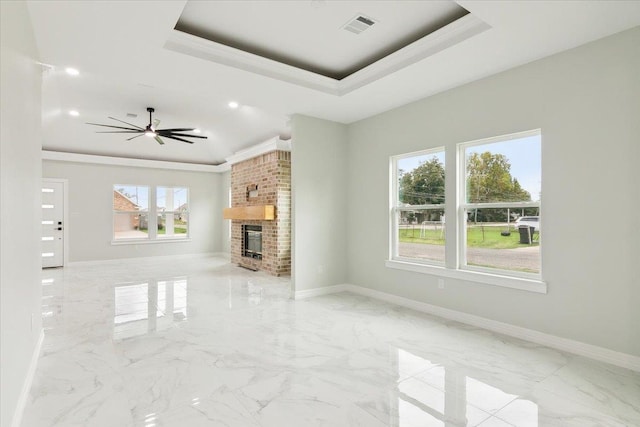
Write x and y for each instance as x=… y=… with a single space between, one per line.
x=587 y=103
x=319 y=200
x=20 y=210
x=91 y=206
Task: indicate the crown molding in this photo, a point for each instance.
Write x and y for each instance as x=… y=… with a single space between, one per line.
x=267 y=146
x=123 y=161
x=198 y=47
x=444 y=38
x=447 y=36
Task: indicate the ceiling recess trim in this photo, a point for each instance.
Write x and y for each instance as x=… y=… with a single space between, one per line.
x=441 y=39
x=267 y=146
x=125 y=161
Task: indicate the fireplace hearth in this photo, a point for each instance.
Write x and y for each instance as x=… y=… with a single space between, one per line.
x=252 y=237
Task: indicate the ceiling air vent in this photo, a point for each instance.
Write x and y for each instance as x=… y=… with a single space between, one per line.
x=132 y=115
x=359 y=24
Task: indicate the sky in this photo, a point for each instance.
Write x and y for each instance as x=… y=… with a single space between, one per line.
x=524 y=155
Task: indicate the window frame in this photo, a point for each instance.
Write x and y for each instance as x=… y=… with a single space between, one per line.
x=174 y=212
x=462 y=205
x=455 y=266
x=395 y=209
x=115 y=212
x=152 y=217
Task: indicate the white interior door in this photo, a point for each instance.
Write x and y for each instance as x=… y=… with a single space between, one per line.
x=52 y=224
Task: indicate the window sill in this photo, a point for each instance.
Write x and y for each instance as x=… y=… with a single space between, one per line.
x=531 y=285
x=146 y=241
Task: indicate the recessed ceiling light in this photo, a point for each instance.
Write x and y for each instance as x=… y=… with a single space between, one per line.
x=74 y=113
x=233 y=105
x=197 y=131
x=72 y=71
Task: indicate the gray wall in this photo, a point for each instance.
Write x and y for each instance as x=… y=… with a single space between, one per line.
x=319 y=203
x=587 y=103
x=91 y=206
x=225 y=187
x=20 y=183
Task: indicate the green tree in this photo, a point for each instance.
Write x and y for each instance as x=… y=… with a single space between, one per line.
x=489 y=180
x=424 y=185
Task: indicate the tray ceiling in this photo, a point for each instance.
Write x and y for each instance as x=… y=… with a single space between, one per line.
x=126 y=62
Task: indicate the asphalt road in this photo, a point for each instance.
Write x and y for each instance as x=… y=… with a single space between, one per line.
x=526 y=258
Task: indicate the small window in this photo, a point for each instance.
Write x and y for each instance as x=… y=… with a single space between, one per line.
x=418 y=211
x=500 y=206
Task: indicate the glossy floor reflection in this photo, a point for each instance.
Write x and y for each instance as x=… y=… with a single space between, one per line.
x=198 y=342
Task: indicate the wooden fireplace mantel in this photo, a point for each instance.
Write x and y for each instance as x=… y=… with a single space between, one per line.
x=259 y=212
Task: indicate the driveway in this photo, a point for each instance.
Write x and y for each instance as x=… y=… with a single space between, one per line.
x=526 y=258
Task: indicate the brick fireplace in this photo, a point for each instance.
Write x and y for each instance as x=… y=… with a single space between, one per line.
x=263 y=180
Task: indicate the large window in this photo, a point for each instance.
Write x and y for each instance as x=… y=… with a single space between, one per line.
x=418 y=211
x=493 y=224
x=500 y=204
x=150 y=213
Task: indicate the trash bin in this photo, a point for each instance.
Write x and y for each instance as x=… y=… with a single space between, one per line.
x=525 y=234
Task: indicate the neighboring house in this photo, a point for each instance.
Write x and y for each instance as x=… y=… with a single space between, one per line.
x=125 y=222
x=182 y=211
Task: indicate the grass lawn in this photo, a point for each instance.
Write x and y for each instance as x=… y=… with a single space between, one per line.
x=176 y=230
x=475 y=238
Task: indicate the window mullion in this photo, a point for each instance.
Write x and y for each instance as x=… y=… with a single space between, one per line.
x=153 y=214
x=416 y=207
x=500 y=205
x=451 y=206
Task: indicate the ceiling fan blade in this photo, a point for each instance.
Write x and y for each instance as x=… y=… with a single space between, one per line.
x=122 y=121
x=119 y=131
x=133 y=137
x=160 y=141
x=114 y=127
x=177 y=139
x=156 y=122
x=176 y=130
x=181 y=134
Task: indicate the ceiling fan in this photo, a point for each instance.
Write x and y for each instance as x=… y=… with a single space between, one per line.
x=151 y=131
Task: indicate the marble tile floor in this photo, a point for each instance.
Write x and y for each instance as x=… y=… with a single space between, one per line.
x=200 y=342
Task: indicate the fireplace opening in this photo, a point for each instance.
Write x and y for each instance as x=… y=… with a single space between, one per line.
x=252 y=241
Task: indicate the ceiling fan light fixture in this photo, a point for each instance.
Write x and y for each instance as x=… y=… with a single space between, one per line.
x=150 y=130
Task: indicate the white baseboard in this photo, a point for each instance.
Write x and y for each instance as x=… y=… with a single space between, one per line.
x=601 y=354
x=26 y=386
x=309 y=293
x=138 y=259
